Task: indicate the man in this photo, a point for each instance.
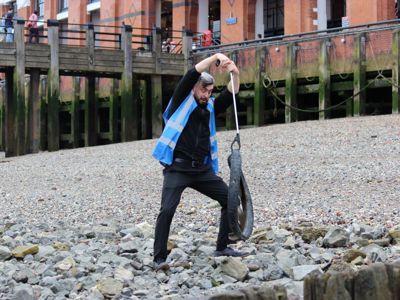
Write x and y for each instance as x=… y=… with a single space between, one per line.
x=33 y=27
x=9 y=26
x=187 y=149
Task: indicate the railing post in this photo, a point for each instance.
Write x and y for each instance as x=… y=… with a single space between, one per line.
x=324 y=79
x=53 y=88
x=128 y=132
x=396 y=72
x=187 y=42
x=156 y=47
x=360 y=77
x=291 y=83
x=19 y=90
x=259 y=90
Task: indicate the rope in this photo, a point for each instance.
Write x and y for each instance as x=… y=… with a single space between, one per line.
x=274 y=94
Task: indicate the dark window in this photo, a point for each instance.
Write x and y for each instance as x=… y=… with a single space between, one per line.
x=273 y=17
x=214 y=17
x=63 y=5
x=40 y=8
x=92 y=1
x=166 y=19
x=338 y=10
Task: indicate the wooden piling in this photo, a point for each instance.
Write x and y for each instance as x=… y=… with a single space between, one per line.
x=396 y=72
x=360 y=77
x=291 y=83
x=156 y=88
x=2 y=119
x=259 y=90
x=187 y=42
x=75 y=130
x=127 y=120
x=43 y=112
x=53 y=88
x=34 y=115
x=91 y=111
x=114 y=108
x=324 y=79
x=9 y=118
x=19 y=90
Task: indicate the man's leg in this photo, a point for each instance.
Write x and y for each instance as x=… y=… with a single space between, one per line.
x=169 y=202
x=216 y=189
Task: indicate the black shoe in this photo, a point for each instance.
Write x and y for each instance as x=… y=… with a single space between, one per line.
x=230 y=252
x=160 y=264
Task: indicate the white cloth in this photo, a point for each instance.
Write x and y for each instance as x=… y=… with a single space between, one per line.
x=23 y=3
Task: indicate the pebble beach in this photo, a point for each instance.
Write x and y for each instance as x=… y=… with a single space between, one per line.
x=339 y=174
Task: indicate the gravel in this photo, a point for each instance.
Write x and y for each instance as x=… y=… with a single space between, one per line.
x=336 y=171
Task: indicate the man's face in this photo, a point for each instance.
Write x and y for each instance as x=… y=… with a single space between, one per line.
x=202 y=93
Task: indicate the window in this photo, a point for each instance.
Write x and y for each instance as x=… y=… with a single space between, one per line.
x=63 y=5
x=92 y=1
x=40 y=8
x=335 y=11
x=273 y=17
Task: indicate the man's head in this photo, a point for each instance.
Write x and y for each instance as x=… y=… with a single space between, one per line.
x=203 y=88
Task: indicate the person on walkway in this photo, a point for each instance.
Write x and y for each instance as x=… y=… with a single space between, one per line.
x=187 y=149
x=33 y=27
x=9 y=26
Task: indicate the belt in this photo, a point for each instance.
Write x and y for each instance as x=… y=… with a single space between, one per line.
x=188 y=163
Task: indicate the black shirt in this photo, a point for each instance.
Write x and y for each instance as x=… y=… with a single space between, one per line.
x=194 y=142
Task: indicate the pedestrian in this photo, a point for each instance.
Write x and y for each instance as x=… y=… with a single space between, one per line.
x=9 y=26
x=33 y=27
x=187 y=149
x=3 y=28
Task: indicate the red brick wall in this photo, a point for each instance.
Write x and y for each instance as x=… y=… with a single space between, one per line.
x=299 y=16
x=369 y=11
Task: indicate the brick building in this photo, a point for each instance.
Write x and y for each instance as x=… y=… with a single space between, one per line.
x=229 y=20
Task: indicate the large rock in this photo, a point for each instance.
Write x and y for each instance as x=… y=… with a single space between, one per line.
x=352 y=254
x=311 y=233
x=146 y=229
x=23 y=292
x=5 y=253
x=299 y=272
x=234 y=267
x=336 y=237
x=394 y=233
x=22 y=251
x=109 y=287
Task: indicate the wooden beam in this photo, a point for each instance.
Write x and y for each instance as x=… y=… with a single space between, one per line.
x=34 y=115
x=91 y=112
x=156 y=105
x=9 y=116
x=19 y=90
x=359 y=75
x=2 y=118
x=324 y=79
x=291 y=83
x=53 y=88
x=127 y=128
x=259 y=90
x=114 y=109
x=75 y=130
x=396 y=71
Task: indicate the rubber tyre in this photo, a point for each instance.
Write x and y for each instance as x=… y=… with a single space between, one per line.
x=239 y=198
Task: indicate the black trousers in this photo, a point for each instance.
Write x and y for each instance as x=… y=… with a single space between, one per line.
x=175 y=182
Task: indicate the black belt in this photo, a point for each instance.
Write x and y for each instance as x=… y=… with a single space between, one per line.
x=188 y=163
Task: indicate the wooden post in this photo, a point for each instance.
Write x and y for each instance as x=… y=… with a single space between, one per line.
x=91 y=113
x=114 y=106
x=53 y=88
x=396 y=72
x=156 y=87
x=259 y=90
x=19 y=89
x=156 y=47
x=324 y=79
x=2 y=116
x=187 y=42
x=291 y=83
x=43 y=112
x=9 y=137
x=146 y=107
x=127 y=126
x=75 y=130
x=34 y=112
x=359 y=75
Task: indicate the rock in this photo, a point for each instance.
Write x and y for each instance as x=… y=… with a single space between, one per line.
x=22 y=251
x=5 y=253
x=394 y=233
x=309 y=234
x=129 y=247
x=109 y=287
x=123 y=275
x=147 y=230
x=66 y=264
x=23 y=292
x=234 y=267
x=381 y=242
x=336 y=237
x=352 y=254
x=299 y=272
x=358 y=261
x=61 y=246
x=286 y=260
